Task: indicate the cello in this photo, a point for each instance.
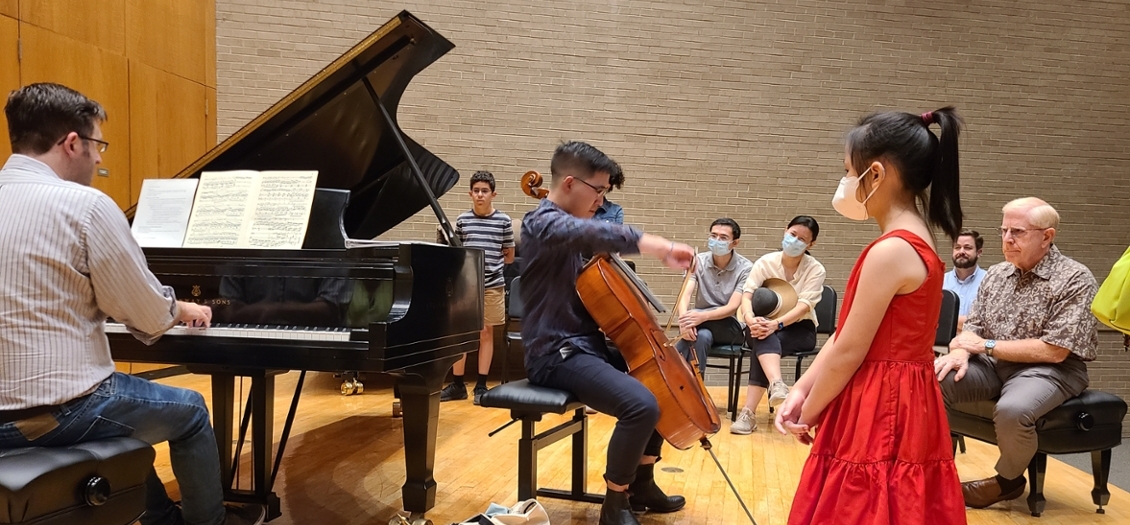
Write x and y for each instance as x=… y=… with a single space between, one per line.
x=618 y=302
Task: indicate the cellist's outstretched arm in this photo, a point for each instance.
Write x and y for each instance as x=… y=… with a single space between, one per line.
x=674 y=255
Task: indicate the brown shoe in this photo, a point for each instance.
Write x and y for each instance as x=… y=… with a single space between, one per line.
x=982 y=493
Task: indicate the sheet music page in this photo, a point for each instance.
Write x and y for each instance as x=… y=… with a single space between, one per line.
x=163 y=210
x=281 y=212
x=222 y=209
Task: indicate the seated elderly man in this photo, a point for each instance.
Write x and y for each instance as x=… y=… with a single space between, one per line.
x=1026 y=341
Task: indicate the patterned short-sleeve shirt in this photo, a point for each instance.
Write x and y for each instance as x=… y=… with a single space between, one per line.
x=1052 y=303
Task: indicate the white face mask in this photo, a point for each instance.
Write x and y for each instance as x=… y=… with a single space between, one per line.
x=846 y=202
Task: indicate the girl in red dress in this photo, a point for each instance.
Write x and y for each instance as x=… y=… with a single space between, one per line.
x=882 y=452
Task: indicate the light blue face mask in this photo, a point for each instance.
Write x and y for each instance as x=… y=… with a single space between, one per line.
x=718 y=247
x=792 y=246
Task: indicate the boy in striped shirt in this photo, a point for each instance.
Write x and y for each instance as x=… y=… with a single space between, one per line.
x=490 y=230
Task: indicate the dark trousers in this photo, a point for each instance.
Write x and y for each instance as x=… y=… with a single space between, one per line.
x=714 y=332
x=605 y=387
x=797 y=337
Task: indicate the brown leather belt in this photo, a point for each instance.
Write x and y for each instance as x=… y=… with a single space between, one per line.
x=9 y=416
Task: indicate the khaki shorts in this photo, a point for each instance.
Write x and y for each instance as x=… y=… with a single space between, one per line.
x=494 y=306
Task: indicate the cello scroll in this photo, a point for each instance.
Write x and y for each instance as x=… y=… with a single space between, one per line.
x=531 y=185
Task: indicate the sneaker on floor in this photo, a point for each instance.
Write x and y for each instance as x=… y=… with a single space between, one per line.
x=778 y=391
x=479 y=391
x=745 y=423
x=453 y=392
x=244 y=513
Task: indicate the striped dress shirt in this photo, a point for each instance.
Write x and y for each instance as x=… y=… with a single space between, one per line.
x=67 y=261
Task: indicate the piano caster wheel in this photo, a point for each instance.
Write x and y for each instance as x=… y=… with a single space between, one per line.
x=396 y=411
x=352 y=386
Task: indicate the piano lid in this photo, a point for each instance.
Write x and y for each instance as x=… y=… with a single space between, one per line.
x=333 y=123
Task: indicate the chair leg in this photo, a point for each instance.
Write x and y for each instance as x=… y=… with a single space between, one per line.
x=953 y=440
x=505 y=359
x=735 y=396
x=1100 y=468
x=1036 y=470
x=799 y=362
x=961 y=443
x=731 y=402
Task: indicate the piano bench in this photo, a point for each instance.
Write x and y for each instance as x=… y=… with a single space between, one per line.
x=528 y=403
x=94 y=483
x=1090 y=422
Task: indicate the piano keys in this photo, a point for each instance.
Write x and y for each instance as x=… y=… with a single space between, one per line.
x=408 y=309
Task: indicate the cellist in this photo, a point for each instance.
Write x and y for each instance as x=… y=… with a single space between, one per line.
x=565 y=348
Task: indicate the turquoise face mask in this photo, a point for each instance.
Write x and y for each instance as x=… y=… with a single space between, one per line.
x=718 y=247
x=792 y=246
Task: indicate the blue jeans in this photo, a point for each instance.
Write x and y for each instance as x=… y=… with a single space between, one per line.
x=128 y=406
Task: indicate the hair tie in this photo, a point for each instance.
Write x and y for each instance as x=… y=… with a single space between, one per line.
x=928 y=117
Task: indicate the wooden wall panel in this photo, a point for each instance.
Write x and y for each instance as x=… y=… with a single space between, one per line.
x=179 y=45
x=12 y=8
x=98 y=74
x=101 y=23
x=210 y=44
x=168 y=124
x=9 y=73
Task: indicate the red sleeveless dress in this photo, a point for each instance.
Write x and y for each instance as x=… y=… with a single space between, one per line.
x=882 y=452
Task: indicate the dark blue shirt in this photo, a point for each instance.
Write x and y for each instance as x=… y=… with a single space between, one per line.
x=552 y=244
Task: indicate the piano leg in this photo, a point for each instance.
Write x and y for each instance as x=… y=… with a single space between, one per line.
x=419 y=395
x=224 y=402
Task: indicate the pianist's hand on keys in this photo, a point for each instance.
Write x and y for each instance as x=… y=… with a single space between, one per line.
x=194 y=315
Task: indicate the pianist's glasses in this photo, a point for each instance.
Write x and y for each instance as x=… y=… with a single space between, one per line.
x=101 y=145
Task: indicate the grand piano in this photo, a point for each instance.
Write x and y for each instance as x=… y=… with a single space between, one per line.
x=408 y=309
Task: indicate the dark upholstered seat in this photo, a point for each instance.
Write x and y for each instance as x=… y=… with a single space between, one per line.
x=528 y=403
x=1090 y=422
x=94 y=483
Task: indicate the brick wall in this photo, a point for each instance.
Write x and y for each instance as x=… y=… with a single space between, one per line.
x=738 y=108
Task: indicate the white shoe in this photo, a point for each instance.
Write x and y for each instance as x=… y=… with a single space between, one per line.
x=745 y=423
x=778 y=391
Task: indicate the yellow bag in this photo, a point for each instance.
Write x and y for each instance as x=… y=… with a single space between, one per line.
x=1112 y=303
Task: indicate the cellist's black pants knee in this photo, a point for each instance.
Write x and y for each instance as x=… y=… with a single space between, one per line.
x=606 y=388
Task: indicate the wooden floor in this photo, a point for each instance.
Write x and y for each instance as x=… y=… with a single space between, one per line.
x=344 y=465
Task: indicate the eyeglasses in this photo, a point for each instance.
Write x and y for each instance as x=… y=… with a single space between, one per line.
x=102 y=145
x=1017 y=233
x=599 y=191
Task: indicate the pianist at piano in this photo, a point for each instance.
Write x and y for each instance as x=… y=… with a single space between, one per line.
x=68 y=261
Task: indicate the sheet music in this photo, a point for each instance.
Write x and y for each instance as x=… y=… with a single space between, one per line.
x=282 y=209
x=163 y=210
x=222 y=207
x=251 y=209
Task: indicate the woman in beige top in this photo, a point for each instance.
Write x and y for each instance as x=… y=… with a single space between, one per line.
x=792 y=332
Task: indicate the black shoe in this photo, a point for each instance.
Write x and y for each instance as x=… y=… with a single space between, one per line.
x=646 y=495
x=244 y=514
x=479 y=391
x=453 y=392
x=616 y=510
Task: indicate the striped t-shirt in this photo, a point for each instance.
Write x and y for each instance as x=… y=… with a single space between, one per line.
x=491 y=234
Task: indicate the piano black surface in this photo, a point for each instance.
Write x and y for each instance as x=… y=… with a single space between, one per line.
x=405 y=309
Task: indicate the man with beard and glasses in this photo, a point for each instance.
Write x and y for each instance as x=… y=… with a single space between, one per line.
x=965 y=277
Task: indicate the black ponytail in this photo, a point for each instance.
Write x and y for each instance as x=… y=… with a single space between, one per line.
x=924 y=160
x=945 y=195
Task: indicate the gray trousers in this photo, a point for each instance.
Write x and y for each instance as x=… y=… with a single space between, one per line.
x=1026 y=392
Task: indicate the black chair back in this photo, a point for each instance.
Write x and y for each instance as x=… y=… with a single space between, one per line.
x=826 y=311
x=515 y=309
x=947 y=320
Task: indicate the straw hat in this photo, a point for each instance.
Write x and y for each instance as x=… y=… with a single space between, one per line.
x=774 y=298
